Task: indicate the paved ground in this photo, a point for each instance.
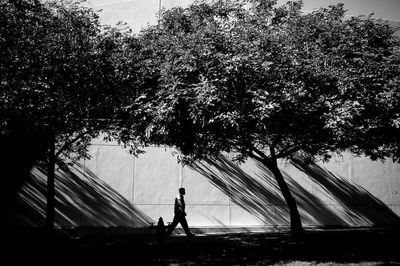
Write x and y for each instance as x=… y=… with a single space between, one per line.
x=318 y=247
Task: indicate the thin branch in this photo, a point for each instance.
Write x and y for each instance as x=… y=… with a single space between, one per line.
x=82 y=134
x=259 y=153
x=251 y=151
x=275 y=142
x=289 y=151
x=69 y=143
x=272 y=151
x=256 y=157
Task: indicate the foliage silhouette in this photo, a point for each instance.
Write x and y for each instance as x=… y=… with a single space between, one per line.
x=268 y=82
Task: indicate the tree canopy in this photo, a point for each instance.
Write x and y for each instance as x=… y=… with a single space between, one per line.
x=234 y=77
x=246 y=77
x=64 y=76
x=268 y=82
x=61 y=71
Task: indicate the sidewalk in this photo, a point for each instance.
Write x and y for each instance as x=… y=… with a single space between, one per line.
x=319 y=247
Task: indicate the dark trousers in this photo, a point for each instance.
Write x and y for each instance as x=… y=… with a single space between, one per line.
x=179 y=218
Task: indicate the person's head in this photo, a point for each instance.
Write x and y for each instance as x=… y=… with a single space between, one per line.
x=182 y=191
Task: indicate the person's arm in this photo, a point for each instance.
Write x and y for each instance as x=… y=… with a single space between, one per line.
x=176 y=206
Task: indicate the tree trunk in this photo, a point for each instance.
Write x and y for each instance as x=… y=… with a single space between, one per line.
x=51 y=163
x=295 y=221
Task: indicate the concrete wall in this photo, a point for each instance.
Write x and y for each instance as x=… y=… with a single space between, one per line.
x=114 y=188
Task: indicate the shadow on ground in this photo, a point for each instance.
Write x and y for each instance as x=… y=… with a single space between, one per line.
x=318 y=246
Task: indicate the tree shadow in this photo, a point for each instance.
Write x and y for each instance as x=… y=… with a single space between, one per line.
x=82 y=199
x=258 y=193
x=359 y=206
x=18 y=155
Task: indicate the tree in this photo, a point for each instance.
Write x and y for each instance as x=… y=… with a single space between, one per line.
x=60 y=79
x=267 y=82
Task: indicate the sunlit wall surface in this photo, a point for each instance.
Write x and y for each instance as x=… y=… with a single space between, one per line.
x=114 y=188
x=139 y=13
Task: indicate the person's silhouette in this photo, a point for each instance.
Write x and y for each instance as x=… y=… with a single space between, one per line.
x=180 y=214
x=160 y=231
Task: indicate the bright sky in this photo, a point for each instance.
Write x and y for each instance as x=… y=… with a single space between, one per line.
x=138 y=13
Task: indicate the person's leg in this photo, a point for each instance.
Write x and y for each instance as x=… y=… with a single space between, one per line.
x=172 y=226
x=185 y=226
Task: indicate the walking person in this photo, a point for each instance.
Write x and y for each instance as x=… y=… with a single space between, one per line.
x=180 y=214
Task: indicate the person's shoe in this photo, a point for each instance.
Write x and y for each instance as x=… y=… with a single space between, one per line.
x=191 y=235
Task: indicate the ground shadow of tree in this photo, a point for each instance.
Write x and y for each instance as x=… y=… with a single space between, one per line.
x=82 y=199
x=258 y=193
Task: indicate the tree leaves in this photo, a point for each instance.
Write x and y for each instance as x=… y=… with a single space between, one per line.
x=58 y=74
x=255 y=75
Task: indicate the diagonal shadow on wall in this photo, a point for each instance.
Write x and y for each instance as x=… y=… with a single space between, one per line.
x=82 y=199
x=85 y=200
x=357 y=203
x=258 y=193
